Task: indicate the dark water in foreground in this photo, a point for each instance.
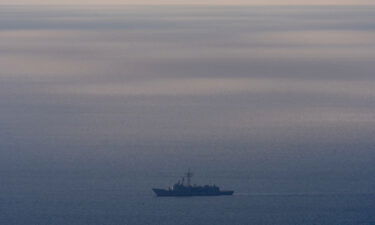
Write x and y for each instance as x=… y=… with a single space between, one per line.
x=120 y=201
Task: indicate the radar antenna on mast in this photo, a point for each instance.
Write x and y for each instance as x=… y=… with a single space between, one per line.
x=188 y=176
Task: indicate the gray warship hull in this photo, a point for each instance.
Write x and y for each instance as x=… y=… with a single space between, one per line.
x=187 y=193
x=185 y=189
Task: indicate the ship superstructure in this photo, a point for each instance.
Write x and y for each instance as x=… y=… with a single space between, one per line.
x=184 y=188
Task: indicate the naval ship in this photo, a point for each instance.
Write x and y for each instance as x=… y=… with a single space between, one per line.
x=184 y=189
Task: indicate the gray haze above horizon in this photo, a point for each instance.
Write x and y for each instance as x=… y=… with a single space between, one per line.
x=262 y=92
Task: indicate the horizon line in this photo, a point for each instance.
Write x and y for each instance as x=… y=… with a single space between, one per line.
x=181 y=4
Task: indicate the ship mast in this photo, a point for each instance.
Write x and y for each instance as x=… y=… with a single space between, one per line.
x=188 y=176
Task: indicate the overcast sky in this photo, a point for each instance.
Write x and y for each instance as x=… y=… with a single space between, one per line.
x=98 y=104
x=241 y=2
x=284 y=95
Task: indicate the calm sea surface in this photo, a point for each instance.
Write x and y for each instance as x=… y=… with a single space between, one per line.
x=129 y=200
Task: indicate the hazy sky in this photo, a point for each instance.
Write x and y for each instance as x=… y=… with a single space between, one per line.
x=272 y=93
x=247 y=2
x=120 y=99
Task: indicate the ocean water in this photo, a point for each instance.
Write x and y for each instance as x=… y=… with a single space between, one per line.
x=100 y=104
x=129 y=200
